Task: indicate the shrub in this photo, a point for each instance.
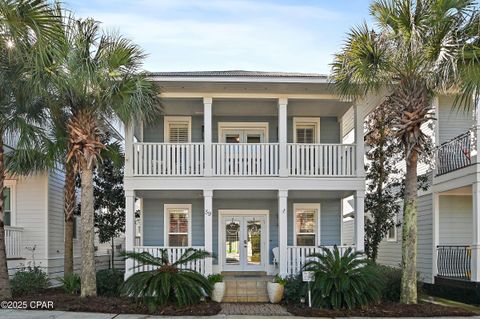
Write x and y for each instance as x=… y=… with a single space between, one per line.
x=168 y=282
x=392 y=280
x=70 y=283
x=109 y=282
x=343 y=281
x=29 y=280
x=214 y=278
x=294 y=289
x=279 y=280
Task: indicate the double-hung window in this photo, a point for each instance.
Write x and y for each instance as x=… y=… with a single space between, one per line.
x=306 y=130
x=178 y=225
x=306 y=224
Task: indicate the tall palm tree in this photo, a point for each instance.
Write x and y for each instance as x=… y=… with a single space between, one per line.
x=28 y=44
x=97 y=80
x=416 y=51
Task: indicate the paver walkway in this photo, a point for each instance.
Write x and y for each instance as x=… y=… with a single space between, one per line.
x=253 y=309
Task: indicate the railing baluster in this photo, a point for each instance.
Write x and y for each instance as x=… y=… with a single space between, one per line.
x=454 y=261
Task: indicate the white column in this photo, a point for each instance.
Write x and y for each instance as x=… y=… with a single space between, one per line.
x=282 y=231
x=129 y=149
x=359 y=141
x=359 y=220
x=207 y=134
x=208 y=215
x=476 y=232
x=129 y=229
x=282 y=135
x=436 y=230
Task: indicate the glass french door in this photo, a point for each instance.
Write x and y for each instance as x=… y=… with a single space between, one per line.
x=244 y=136
x=244 y=243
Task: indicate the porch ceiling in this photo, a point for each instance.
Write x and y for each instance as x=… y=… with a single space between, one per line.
x=467 y=190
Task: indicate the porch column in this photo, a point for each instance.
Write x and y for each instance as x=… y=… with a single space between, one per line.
x=476 y=232
x=207 y=134
x=129 y=229
x=129 y=149
x=359 y=141
x=477 y=131
x=208 y=228
x=282 y=231
x=359 y=220
x=282 y=135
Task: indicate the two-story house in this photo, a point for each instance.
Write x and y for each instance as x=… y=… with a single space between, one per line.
x=449 y=211
x=252 y=166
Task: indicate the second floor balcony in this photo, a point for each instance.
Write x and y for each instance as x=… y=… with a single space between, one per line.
x=456 y=153
x=243 y=159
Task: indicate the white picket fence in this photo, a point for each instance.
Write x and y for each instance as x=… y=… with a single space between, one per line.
x=321 y=159
x=13 y=241
x=298 y=256
x=245 y=159
x=174 y=253
x=153 y=159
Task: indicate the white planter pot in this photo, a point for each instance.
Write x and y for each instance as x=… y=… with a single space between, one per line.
x=218 y=291
x=275 y=292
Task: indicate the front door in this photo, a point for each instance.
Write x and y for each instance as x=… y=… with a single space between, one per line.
x=244 y=239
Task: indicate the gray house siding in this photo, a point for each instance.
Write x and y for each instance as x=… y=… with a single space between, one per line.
x=451 y=121
x=455 y=220
x=329 y=128
x=390 y=252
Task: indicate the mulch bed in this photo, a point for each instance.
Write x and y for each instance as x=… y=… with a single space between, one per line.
x=66 y=302
x=383 y=310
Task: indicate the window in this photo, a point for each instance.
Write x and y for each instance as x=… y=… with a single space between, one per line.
x=243 y=132
x=306 y=224
x=392 y=232
x=7 y=206
x=177 y=129
x=178 y=226
x=306 y=130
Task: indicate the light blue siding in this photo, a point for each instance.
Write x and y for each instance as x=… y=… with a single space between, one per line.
x=329 y=128
x=330 y=212
x=153 y=220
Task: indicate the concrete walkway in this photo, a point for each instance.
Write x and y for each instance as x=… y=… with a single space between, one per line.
x=45 y=314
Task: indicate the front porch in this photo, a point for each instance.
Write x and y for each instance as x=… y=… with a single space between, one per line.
x=270 y=232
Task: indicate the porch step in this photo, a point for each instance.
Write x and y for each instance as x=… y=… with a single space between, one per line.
x=246 y=288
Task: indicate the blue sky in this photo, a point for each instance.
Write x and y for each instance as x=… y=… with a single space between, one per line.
x=263 y=35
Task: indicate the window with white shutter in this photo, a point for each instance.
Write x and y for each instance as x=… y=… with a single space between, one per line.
x=177 y=129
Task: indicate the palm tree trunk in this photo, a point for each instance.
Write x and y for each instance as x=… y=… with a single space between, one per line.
x=69 y=208
x=409 y=236
x=88 y=280
x=5 y=291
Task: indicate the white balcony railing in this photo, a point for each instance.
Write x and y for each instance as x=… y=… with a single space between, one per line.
x=262 y=159
x=321 y=159
x=154 y=159
x=245 y=159
x=174 y=253
x=13 y=241
x=297 y=256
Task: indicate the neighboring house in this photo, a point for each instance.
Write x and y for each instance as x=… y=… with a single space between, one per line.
x=448 y=213
x=34 y=219
x=252 y=166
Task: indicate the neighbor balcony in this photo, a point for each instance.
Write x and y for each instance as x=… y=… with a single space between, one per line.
x=455 y=154
x=259 y=159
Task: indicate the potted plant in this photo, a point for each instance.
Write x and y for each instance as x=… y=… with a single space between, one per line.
x=275 y=289
x=218 y=287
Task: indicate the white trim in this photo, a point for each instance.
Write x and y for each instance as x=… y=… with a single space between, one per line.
x=261 y=126
x=244 y=212
x=309 y=121
x=254 y=79
x=300 y=206
x=166 y=216
x=12 y=184
x=172 y=119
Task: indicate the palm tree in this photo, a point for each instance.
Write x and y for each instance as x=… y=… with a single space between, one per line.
x=98 y=79
x=28 y=45
x=416 y=51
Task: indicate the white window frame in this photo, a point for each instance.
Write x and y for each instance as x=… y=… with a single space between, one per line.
x=395 y=231
x=166 y=222
x=298 y=121
x=229 y=126
x=176 y=119
x=12 y=184
x=300 y=206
